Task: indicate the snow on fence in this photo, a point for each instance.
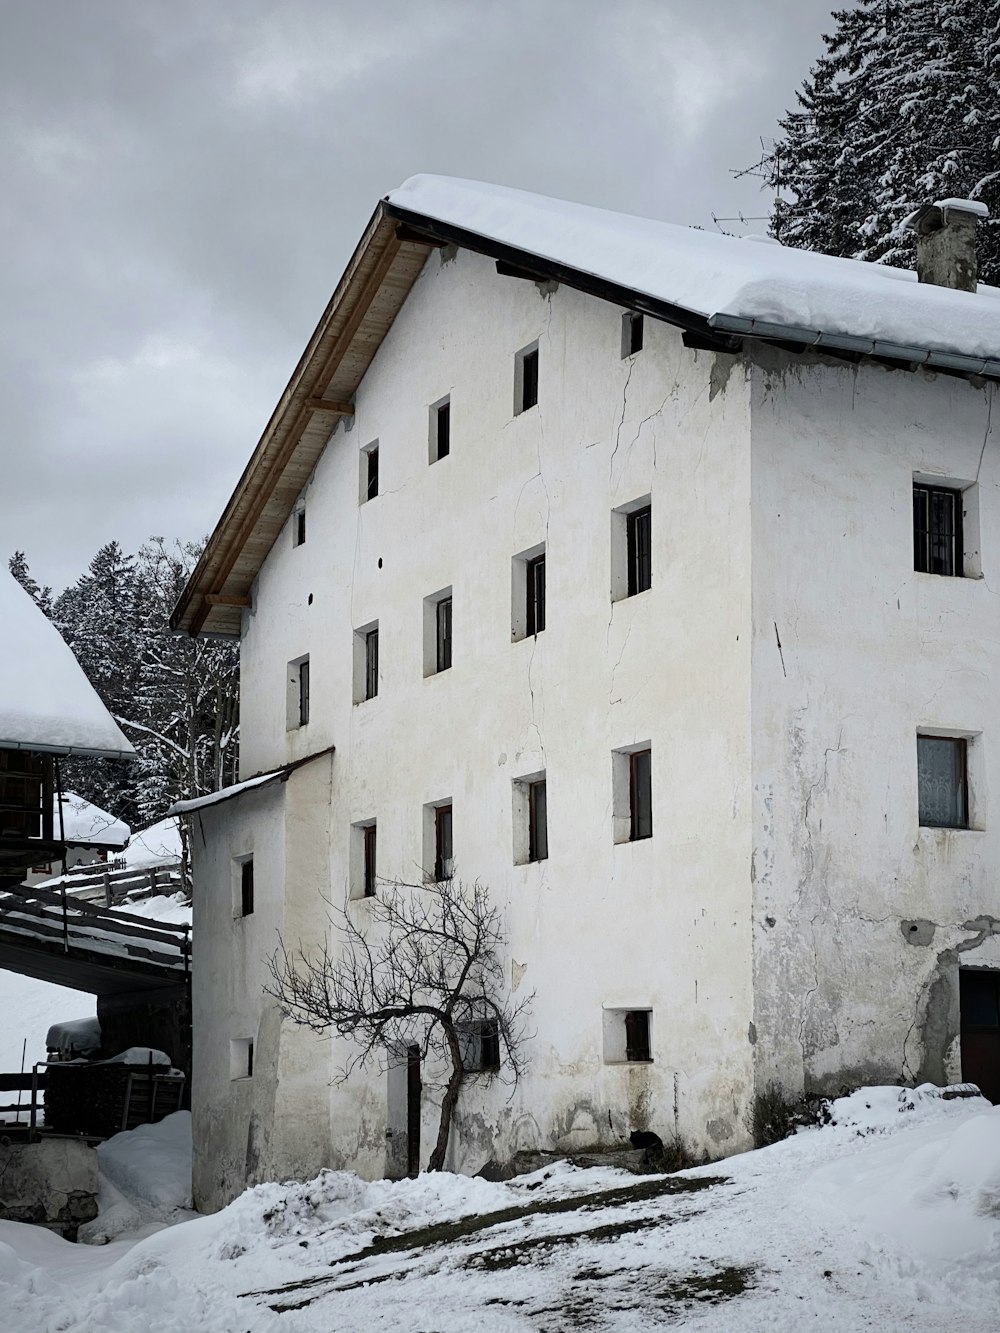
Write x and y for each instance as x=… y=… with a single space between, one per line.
x=111 y=886
x=44 y=915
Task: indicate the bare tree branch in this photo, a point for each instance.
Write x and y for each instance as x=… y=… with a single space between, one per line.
x=427 y=970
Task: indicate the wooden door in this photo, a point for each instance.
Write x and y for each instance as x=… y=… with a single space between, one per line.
x=979 y=1001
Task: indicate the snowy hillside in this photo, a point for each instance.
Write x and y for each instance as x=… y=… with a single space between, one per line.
x=887 y=1219
x=30 y=1008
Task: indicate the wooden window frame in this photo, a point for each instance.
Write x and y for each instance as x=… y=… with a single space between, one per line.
x=538 y=821
x=246 y=887
x=639 y=539
x=370 y=840
x=443 y=635
x=636 y=832
x=534 y=587
x=638 y=1037
x=444 y=842
x=961 y=745
x=304 y=692
x=371 y=663
x=633 y=330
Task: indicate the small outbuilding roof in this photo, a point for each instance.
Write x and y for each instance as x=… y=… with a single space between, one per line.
x=87 y=825
x=47 y=704
x=719 y=290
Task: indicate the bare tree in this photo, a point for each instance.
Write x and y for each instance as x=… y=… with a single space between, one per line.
x=425 y=970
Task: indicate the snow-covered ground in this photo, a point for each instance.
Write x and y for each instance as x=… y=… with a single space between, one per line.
x=887 y=1219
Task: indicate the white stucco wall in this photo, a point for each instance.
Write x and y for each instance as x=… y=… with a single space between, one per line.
x=664 y=923
x=860 y=916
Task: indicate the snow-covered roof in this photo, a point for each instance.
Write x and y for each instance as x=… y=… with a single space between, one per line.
x=86 y=825
x=736 y=287
x=227 y=793
x=718 y=289
x=46 y=701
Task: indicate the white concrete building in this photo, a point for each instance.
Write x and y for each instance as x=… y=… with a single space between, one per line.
x=765 y=726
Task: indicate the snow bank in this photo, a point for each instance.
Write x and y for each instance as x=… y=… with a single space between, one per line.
x=170 y=907
x=152 y=1164
x=934 y=1192
x=712 y=274
x=46 y=701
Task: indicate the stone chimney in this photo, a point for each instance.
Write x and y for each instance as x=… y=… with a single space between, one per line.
x=946 y=242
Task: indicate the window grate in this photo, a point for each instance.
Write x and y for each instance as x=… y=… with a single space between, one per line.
x=937 y=530
x=443 y=636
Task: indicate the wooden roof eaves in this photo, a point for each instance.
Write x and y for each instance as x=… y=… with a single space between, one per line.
x=289 y=424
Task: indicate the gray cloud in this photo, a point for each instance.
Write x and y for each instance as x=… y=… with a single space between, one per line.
x=183 y=183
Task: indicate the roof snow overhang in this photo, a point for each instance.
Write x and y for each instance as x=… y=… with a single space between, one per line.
x=388 y=259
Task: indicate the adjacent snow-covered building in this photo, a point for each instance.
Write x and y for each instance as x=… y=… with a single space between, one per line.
x=48 y=708
x=646 y=576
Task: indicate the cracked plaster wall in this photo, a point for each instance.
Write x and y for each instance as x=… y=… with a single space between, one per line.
x=662 y=923
x=860 y=916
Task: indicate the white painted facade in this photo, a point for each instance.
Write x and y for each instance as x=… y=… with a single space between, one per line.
x=765 y=924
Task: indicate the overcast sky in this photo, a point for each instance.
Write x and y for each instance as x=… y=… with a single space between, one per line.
x=184 y=180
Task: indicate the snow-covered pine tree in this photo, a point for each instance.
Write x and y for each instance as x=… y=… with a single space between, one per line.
x=42 y=597
x=176 y=699
x=902 y=109
x=100 y=618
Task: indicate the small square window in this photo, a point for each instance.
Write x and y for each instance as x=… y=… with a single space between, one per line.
x=299 y=527
x=631 y=549
x=369 y=472
x=531 y=824
x=440 y=440
x=297 y=700
x=437 y=632
x=942 y=781
x=631 y=790
x=246 y=887
x=628 y=1036
x=439 y=856
x=241 y=1058
x=366 y=662
x=480 y=1041
x=640 y=795
x=632 y=330
x=535 y=595
x=639 y=534
x=444 y=634
x=937 y=530
x=362 y=852
x=370 y=861
x=527 y=591
x=371 y=663
x=526 y=379
x=538 y=821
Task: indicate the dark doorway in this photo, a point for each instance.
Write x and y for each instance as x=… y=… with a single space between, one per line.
x=413 y=1110
x=979 y=1001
